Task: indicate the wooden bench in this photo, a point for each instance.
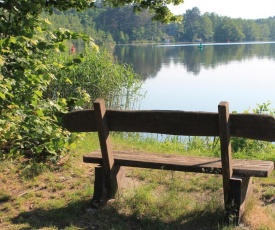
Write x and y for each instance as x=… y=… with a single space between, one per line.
x=236 y=173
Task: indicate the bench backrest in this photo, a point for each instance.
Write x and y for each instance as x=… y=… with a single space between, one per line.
x=254 y=126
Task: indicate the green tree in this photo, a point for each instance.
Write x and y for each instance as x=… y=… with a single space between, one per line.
x=207 y=33
x=122 y=37
x=192 y=24
x=29 y=120
x=265 y=32
x=228 y=30
x=251 y=30
x=271 y=22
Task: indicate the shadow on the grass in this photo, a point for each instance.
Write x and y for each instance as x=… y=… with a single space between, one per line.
x=80 y=215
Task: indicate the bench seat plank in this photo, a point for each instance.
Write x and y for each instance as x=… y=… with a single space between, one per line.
x=241 y=168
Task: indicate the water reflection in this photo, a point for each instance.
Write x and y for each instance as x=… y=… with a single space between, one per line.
x=148 y=60
x=185 y=78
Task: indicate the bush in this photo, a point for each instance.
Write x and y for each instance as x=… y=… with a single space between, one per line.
x=31 y=100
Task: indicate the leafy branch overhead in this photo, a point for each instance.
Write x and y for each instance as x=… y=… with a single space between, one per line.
x=157 y=8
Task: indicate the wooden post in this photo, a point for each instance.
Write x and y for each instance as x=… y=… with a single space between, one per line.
x=100 y=192
x=226 y=157
x=235 y=189
x=101 y=196
x=240 y=188
x=110 y=171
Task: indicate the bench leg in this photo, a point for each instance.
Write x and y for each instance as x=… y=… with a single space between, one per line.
x=101 y=193
x=100 y=190
x=118 y=174
x=239 y=191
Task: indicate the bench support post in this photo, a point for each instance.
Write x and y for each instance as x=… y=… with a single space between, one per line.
x=231 y=187
x=100 y=196
x=240 y=188
x=100 y=190
x=235 y=189
x=111 y=180
x=226 y=157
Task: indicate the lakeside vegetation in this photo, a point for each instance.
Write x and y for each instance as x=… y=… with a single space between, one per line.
x=40 y=81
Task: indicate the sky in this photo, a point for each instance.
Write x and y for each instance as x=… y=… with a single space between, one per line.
x=246 y=9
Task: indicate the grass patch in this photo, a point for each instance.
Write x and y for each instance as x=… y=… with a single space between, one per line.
x=59 y=196
x=4 y=196
x=258 y=217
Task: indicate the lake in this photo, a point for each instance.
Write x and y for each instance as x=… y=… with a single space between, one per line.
x=185 y=77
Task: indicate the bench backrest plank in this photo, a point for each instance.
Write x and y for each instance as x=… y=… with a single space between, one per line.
x=254 y=126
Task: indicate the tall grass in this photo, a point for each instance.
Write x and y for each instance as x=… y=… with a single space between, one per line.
x=98 y=74
x=197 y=146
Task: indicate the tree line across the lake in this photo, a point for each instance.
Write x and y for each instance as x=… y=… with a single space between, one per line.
x=122 y=25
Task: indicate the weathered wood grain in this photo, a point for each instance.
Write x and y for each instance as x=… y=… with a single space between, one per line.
x=241 y=168
x=254 y=126
x=226 y=156
x=240 y=189
x=106 y=147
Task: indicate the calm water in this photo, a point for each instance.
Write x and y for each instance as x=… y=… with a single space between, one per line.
x=183 y=77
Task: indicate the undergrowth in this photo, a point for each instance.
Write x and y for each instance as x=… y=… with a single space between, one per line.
x=60 y=196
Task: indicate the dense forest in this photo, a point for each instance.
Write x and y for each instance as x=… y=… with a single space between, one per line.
x=122 y=25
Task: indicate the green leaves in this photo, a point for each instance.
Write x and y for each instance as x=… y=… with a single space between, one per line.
x=39 y=82
x=164 y=15
x=29 y=119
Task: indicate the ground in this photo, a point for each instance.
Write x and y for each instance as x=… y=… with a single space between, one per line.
x=60 y=198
